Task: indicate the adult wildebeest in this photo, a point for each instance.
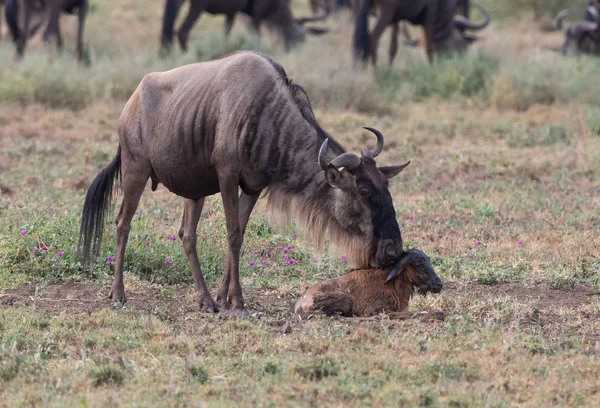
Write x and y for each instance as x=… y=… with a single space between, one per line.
x=50 y=10
x=585 y=34
x=275 y=13
x=443 y=31
x=239 y=122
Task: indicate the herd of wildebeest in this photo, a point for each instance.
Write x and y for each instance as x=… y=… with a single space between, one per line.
x=445 y=22
x=228 y=126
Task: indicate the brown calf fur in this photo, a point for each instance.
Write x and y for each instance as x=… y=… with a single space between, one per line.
x=366 y=292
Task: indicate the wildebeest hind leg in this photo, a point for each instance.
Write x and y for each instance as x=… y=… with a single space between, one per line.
x=133 y=187
x=246 y=205
x=192 y=209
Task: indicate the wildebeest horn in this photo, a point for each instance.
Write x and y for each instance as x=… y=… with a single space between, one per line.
x=347 y=160
x=560 y=17
x=379 y=147
x=462 y=23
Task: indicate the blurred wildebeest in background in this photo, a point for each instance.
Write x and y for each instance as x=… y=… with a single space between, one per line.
x=234 y=123
x=48 y=13
x=1 y=15
x=329 y=6
x=443 y=30
x=275 y=13
x=585 y=34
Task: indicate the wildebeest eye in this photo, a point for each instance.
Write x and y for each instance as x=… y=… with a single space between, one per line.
x=364 y=192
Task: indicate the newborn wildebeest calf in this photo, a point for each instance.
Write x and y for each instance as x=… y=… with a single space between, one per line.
x=366 y=292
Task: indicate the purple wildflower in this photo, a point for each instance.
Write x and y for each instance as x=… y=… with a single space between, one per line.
x=289 y=247
x=147 y=243
x=168 y=261
x=253 y=250
x=174 y=238
x=35 y=250
x=251 y=263
x=343 y=258
x=263 y=262
x=290 y=261
x=23 y=233
x=520 y=243
x=59 y=254
x=294 y=235
x=110 y=259
x=43 y=247
x=315 y=260
x=137 y=251
x=51 y=209
x=285 y=258
x=285 y=251
x=478 y=242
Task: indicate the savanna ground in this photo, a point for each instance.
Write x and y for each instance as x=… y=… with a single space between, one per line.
x=502 y=193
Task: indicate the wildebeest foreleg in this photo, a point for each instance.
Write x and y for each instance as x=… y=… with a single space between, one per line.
x=229 y=19
x=192 y=209
x=384 y=20
x=132 y=192
x=246 y=206
x=196 y=8
x=394 y=42
x=83 y=8
x=228 y=183
x=428 y=28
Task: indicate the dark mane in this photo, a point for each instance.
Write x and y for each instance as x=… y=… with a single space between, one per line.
x=301 y=99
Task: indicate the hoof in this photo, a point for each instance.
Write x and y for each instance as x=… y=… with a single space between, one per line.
x=118 y=296
x=223 y=303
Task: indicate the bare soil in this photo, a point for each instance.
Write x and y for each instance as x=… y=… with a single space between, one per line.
x=80 y=298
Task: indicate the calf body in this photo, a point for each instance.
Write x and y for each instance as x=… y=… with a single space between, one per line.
x=366 y=292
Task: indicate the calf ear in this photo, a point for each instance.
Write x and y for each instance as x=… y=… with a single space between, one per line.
x=337 y=178
x=392 y=171
x=400 y=267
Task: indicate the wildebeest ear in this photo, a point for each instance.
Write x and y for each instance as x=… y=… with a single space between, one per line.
x=316 y=31
x=392 y=171
x=470 y=39
x=336 y=178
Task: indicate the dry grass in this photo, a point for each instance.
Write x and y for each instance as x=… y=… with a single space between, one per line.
x=502 y=193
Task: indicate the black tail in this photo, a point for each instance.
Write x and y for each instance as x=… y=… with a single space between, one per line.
x=11 y=12
x=361 y=33
x=169 y=17
x=96 y=207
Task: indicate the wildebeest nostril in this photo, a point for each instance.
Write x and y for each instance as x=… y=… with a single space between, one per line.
x=392 y=250
x=436 y=286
